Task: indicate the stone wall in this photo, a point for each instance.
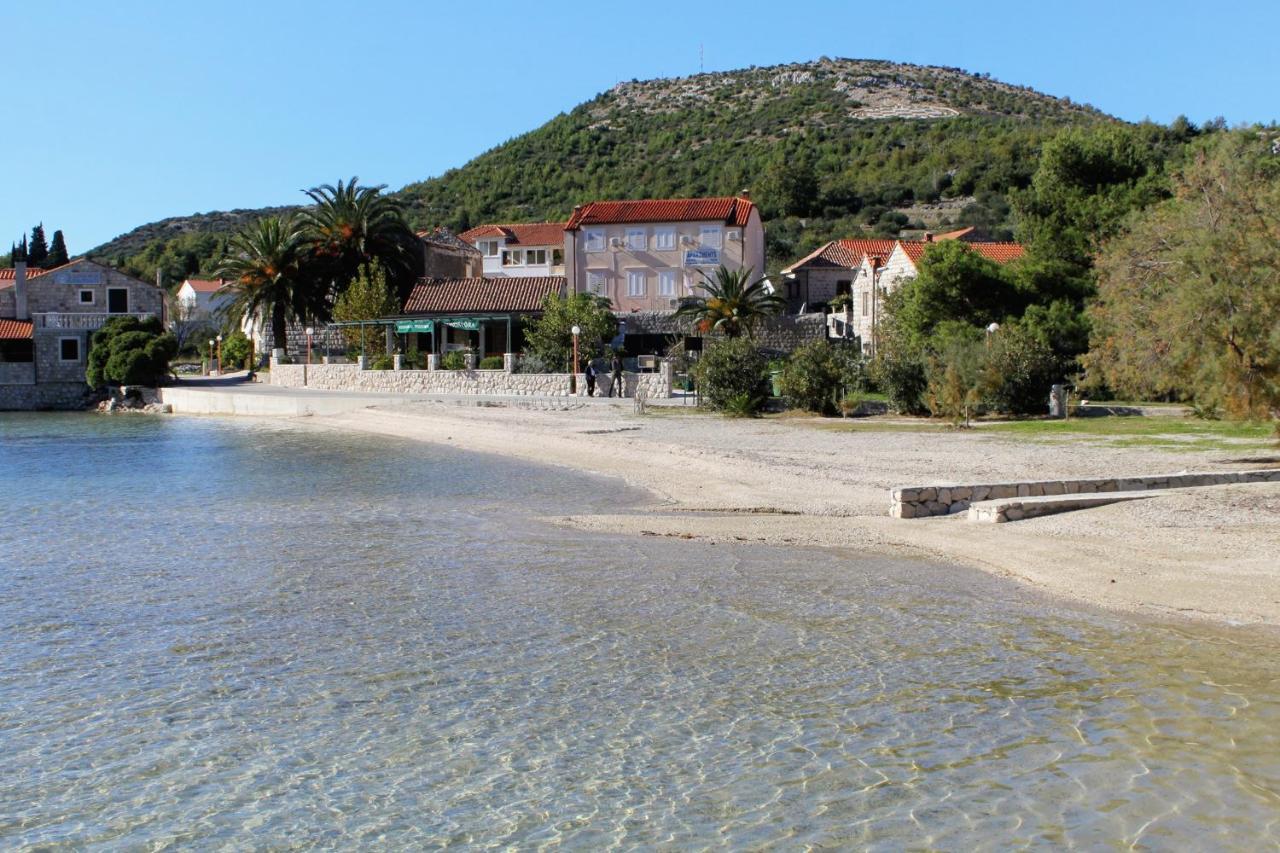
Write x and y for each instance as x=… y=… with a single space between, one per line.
x=349 y=377
x=787 y=333
x=17 y=373
x=61 y=396
x=946 y=498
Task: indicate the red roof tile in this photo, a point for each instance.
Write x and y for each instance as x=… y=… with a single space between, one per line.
x=520 y=234
x=15 y=330
x=1001 y=253
x=846 y=254
x=205 y=285
x=7 y=275
x=729 y=210
x=481 y=295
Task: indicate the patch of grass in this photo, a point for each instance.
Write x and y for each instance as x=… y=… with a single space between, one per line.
x=1160 y=433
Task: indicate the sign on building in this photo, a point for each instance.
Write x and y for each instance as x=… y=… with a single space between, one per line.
x=703 y=256
x=78 y=277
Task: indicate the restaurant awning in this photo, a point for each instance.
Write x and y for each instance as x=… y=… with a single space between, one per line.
x=406 y=326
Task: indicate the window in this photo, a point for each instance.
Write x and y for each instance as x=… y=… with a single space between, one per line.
x=664 y=239
x=488 y=248
x=637 y=239
x=866 y=303
x=535 y=256
x=667 y=283
x=512 y=257
x=557 y=257
x=635 y=282
x=709 y=235
x=595 y=239
x=117 y=300
x=86 y=297
x=68 y=349
x=597 y=283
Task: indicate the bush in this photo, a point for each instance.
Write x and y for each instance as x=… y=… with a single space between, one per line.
x=235 y=350
x=491 y=362
x=811 y=378
x=453 y=360
x=128 y=351
x=900 y=374
x=732 y=374
x=1020 y=371
x=382 y=362
x=956 y=380
x=532 y=363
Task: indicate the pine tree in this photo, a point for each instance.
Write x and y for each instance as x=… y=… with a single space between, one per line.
x=57 y=251
x=20 y=253
x=38 y=253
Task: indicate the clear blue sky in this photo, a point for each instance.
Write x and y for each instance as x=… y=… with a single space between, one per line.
x=126 y=112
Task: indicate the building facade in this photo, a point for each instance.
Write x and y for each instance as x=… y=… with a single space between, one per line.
x=48 y=317
x=531 y=249
x=646 y=255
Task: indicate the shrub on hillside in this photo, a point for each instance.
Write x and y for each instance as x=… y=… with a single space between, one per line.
x=732 y=375
x=129 y=351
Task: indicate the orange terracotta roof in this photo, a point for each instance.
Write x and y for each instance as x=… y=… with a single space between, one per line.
x=7 y=275
x=1001 y=253
x=846 y=254
x=728 y=209
x=205 y=285
x=481 y=295
x=955 y=235
x=15 y=330
x=520 y=234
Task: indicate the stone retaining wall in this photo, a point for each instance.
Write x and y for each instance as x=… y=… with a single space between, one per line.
x=60 y=396
x=946 y=498
x=349 y=377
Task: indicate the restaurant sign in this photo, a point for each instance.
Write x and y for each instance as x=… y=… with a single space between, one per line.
x=407 y=326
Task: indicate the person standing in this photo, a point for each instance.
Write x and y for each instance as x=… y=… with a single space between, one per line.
x=616 y=377
x=590 y=374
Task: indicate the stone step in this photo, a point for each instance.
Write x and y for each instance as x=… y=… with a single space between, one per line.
x=1016 y=509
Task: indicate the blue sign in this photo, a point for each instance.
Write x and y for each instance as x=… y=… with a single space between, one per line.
x=703 y=256
x=78 y=277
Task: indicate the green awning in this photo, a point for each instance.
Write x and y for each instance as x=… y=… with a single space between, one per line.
x=468 y=324
x=405 y=326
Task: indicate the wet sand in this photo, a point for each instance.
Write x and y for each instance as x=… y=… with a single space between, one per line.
x=1211 y=554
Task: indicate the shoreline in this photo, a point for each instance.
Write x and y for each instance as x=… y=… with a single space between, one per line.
x=1205 y=555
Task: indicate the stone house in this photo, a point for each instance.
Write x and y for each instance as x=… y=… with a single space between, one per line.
x=878 y=275
x=525 y=249
x=646 y=255
x=46 y=320
x=828 y=272
x=447 y=255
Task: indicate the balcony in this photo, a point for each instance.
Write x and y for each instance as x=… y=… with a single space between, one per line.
x=83 y=322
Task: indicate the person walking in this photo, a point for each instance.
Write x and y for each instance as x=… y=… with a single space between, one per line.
x=616 y=377
x=591 y=374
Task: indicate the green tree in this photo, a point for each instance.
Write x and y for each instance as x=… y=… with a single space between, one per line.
x=367 y=297
x=954 y=284
x=1189 y=298
x=38 y=251
x=264 y=267
x=818 y=375
x=732 y=303
x=351 y=226
x=789 y=186
x=129 y=351
x=57 y=251
x=731 y=376
x=550 y=336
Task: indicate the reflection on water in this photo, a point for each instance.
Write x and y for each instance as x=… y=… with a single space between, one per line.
x=227 y=634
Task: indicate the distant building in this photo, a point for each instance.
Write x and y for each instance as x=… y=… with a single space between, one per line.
x=46 y=320
x=202 y=298
x=447 y=255
x=524 y=249
x=822 y=275
x=484 y=315
x=646 y=255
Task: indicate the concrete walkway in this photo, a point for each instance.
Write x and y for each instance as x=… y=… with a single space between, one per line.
x=234 y=395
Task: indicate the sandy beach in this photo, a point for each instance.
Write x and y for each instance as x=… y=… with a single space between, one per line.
x=1210 y=554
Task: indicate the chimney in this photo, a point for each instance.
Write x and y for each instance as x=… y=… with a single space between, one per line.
x=20 y=291
x=928 y=238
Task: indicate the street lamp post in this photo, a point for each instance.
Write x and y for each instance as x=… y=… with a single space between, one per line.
x=307 y=367
x=573 y=377
x=211 y=345
x=219 y=340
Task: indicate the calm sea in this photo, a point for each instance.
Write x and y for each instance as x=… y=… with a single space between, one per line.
x=227 y=634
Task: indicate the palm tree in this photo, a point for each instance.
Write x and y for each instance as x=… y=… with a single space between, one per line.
x=352 y=226
x=264 y=264
x=732 y=303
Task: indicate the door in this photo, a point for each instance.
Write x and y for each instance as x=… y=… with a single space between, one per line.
x=117 y=300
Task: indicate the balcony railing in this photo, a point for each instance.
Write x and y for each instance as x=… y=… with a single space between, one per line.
x=80 y=322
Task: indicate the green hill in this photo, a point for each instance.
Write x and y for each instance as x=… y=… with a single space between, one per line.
x=828 y=148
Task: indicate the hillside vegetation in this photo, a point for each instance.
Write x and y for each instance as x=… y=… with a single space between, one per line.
x=828 y=148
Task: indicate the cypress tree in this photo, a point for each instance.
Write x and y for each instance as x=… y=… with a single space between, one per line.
x=38 y=252
x=20 y=253
x=57 y=251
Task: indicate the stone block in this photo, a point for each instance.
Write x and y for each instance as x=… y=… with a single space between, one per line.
x=944 y=496
x=902 y=510
x=1023 y=490
x=961 y=493
x=1013 y=513
x=1053 y=488
x=980 y=493
x=928 y=493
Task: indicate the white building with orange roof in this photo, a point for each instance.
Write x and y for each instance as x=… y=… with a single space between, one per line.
x=529 y=249
x=829 y=271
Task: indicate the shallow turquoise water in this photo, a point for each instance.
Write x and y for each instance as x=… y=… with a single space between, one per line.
x=225 y=634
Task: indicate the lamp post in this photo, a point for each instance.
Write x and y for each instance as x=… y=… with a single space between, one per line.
x=307 y=367
x=219 y=340
x=211 y=345
x=573 y=377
